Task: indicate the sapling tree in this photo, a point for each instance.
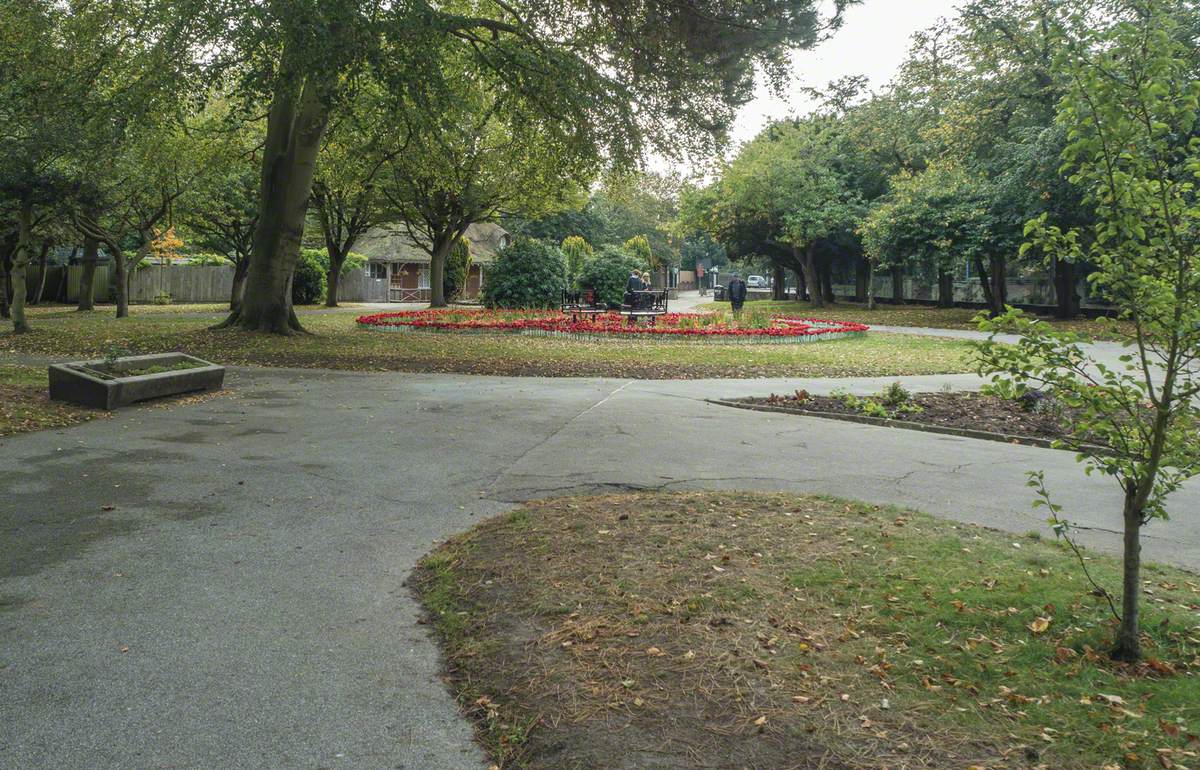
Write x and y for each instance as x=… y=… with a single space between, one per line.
x=1130 y=113
x=577 y=251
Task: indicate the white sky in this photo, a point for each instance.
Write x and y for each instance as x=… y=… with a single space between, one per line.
x=873 y=41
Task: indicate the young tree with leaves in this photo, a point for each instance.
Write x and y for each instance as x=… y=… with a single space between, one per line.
x=1130 y=113
x=577 y=251
x=347 y=192
x=473 y=154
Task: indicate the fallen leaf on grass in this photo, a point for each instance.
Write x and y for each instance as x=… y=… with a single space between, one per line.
x=1039 y=625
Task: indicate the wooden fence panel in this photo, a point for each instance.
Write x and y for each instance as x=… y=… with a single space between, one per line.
x=359 y=286
x=184 y=283
x=99 y=283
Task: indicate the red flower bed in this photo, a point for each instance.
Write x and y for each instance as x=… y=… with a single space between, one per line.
x=609 y=324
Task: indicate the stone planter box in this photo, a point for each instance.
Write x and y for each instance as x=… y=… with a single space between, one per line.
x=108 y=384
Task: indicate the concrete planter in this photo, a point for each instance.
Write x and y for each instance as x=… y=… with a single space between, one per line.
x=108 y=384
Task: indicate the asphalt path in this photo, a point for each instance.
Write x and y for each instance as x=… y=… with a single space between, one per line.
x=221 y=583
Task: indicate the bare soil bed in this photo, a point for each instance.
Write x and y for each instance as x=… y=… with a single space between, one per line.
x=966 y=411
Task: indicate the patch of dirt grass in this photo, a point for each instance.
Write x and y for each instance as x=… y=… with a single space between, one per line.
x=25 y=405
x=336 y=343
x=974 y=411
x=729 y=630
x=918 y=315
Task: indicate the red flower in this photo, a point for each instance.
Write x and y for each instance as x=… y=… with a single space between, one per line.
x=608 y=324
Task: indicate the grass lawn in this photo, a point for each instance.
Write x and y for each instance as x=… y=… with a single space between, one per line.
x=912 y=315
x=336 y=343
x=24 y=405
x=769 y=631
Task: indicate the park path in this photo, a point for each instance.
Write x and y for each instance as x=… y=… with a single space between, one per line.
x=221 y=583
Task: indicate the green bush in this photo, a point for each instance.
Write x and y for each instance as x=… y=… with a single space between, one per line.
x=458 y=267
x=528 y=274
x=208 y=259
x=607 y=272
x=308 y=282
x=353 y=261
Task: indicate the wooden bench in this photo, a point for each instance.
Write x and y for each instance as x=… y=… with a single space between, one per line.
x=582 y=303
x=644 y=305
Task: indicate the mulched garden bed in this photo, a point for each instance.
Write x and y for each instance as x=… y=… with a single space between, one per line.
x=960 y=411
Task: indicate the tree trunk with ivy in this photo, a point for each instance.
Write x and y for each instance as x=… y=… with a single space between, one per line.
x=897 y=285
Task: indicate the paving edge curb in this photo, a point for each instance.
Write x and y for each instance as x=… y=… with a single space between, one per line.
x=862 y=419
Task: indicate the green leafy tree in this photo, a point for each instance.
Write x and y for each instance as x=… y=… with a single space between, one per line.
x=347 y=190
x=638 y=247
x=220 y=211
x=607 y=272
x=528 y=274
x=577 y=251
x=1130 y=113
x=471 y=156
x=936 y=220
x=607 y=78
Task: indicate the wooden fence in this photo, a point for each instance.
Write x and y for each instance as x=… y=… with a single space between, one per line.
x=186 y=284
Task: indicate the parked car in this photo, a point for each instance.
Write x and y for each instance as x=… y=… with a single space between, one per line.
x=756 y=282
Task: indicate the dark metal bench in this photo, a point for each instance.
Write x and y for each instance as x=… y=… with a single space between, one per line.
x=644 y=304
x=582 y=303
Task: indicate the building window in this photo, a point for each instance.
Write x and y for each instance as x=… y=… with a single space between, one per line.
x=377 y=269
x=423 y=278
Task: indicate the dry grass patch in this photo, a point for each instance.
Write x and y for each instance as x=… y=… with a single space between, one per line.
x=25 y=405
x=723 y=630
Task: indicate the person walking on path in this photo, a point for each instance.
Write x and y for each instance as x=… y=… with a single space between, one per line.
x=737 y=293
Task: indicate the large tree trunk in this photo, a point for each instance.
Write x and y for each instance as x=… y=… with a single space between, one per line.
x=437 y=271
x=945 y=288
x=801 y=285
x=20 y=262
x=862 y=273
x=87 y=279
x=1129 y=645
x=898 y=285
x=825 y=270
x=331 y=284
x=812 y=278
x=999 y=281
x=296 y=123
x=239 y=283
x=779 y=290
x=1065 y=278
